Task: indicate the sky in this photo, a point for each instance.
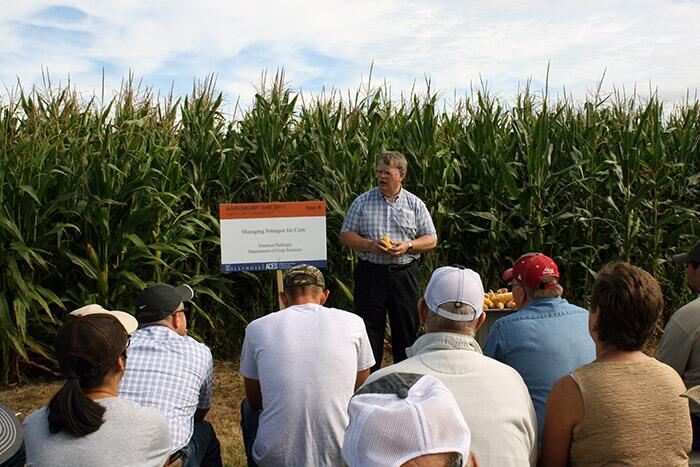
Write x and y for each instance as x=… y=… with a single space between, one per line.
x=458 y=45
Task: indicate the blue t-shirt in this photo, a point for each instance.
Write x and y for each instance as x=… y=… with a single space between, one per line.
x=545 y=340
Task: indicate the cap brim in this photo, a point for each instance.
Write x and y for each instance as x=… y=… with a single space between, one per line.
x=507 y=275
x=126 y=319
x=682 y=258
x=185 y=291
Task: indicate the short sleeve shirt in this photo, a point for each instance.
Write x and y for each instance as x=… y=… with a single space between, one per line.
x=306 y=358
x=371 y=215
x=171 y=373
x=130 y=435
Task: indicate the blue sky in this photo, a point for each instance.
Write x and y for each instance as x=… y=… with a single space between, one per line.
x=332 y=44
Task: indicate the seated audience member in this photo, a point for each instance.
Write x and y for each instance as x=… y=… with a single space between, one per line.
x=171 y=372
x=680 y=345
x=491 y=395
x=86 y=423
x=11 y=446
x=300 y=366
x=624 y=408
x=547 y=337
x=407 y=420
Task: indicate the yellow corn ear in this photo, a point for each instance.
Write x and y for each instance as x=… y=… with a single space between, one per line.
x=504 y=297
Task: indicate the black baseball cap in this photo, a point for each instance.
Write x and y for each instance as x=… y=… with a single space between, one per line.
x=160 y=300
x=693 y=256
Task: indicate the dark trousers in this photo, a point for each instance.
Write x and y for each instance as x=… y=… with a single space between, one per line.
x=203 y=449
x=249 y=427
x=695 y=422
x=394 y=289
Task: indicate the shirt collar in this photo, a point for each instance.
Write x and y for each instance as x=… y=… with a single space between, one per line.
x=442 y=341
x=152 y=329
x=393 y=199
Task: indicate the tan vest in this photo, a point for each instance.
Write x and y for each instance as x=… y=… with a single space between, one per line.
x=633 y=415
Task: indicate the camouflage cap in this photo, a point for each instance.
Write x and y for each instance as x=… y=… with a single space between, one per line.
x=303 y=274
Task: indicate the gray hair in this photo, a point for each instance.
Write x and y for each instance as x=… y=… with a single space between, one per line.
x=437 y=323
x=399 y=159
x=534 y=294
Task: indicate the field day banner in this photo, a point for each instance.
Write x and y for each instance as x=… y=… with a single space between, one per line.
x=269 y=236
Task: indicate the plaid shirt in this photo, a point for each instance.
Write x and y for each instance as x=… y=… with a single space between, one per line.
x=372 y=216
x=171 y=373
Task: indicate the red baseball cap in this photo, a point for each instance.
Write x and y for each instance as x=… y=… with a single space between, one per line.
x=532 y=268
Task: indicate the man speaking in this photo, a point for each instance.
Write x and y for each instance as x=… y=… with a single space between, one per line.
x=388 y=228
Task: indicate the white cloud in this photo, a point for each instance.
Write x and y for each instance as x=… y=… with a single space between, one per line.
x=333 y=43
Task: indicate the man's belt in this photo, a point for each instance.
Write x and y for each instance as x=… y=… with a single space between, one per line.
x=387 y=267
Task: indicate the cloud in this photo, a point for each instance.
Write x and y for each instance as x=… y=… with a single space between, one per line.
x=332 y=43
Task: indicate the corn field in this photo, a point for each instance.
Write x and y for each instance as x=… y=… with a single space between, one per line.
x=101 y=198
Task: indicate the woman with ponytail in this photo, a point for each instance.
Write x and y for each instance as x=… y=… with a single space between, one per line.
x=85 y=423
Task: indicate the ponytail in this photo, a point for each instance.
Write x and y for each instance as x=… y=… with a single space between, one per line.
x=70 y=410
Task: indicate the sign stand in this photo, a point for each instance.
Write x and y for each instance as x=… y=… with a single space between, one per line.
x=280 y=288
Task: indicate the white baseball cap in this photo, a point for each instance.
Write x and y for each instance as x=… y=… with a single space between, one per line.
x=455 y=284
x=128 y=321
x=401 y=416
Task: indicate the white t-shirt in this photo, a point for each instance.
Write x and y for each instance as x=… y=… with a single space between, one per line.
x=306 y=358
x=131 y=435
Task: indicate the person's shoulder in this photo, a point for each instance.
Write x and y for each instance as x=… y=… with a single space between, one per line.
x=36 y=418
x=266 y=320
x=400 y=367
x=688 y=311
x=571 y=307
x=264 y=326
x=362 y=197
x=36 y=427
x=343 y=313
x=664 y=369
x=128 y=405
x=149 y=419
x=494 y=367
x=590 y=367
x=505 y=322
x=412 y=198
x=196 y=346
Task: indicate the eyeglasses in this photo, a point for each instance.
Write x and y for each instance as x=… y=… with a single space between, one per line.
x=387 y=172
x=185 y=310
x=181 y=310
